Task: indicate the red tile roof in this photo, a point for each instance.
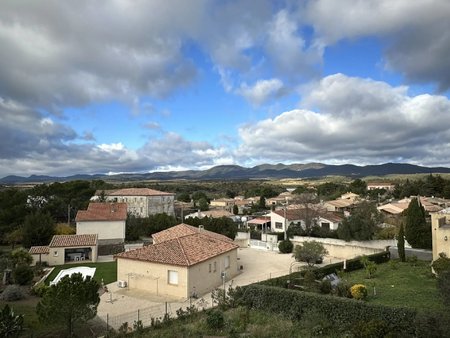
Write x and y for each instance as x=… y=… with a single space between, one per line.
x=187 y=250
x=136 y=192
x=35 y=250
x=73 y=240
x=293 y=214
x=103 y=212
x=181 y=230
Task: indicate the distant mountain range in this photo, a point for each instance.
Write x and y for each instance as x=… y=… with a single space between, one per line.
x=235 y=172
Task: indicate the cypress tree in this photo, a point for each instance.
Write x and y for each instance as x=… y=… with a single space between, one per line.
x=401 y=244
x=417 y=230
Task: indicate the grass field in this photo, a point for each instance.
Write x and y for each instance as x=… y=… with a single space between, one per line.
x=105 y=270
x=401 y=284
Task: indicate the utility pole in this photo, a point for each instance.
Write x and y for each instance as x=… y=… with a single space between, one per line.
x=68 y=215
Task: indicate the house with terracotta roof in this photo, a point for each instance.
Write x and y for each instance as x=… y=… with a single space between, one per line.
x=281 y=219
x=182 y=261
x=141 y=202
x=107 y=220
x=67 y=248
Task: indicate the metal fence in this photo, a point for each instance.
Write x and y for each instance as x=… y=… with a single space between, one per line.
x=146 y=317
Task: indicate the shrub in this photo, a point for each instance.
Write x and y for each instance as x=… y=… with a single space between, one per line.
x=12 y=293
x=23 y=274
x=40 y=289
x=325 y=287
x=286 y=246
x=372 y=328
x=343 y=290
x=441 y=264
x=359 y=291
x=215 y=320
x=341 y=312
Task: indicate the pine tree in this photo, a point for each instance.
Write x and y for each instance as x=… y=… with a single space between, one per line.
x=401 y=243
x=417 y=230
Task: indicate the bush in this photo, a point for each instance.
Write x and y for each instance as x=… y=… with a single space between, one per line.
x=12 y=293
x=359 y=291
x=343 y=290
x=40 y=289
x=341 y=312
x=325 y=287
x=215 y=320
x=286 y=246
x=441 y=264
x=23 y=274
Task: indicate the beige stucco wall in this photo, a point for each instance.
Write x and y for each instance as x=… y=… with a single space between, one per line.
x=203 y=281
x=440 y=225
x=106 y=230
x=56 y=256
x=153 y=277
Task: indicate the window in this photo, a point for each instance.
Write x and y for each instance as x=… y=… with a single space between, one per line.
x=227 y=262
x=326 y=225
x=278 y=225
x=209 y=267
x=215 y=266
x=55 y=253
x=173 y=277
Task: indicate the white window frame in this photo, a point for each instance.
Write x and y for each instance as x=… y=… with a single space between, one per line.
x=172 y=277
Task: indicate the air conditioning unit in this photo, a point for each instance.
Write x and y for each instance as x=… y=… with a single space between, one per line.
x=121 y=284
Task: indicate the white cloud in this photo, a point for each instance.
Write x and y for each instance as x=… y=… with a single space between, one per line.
x=415 y=34
x=262 y=91
x=355 y=121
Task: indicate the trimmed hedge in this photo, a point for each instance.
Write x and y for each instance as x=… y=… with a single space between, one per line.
x=351 y=265
x=341 y=312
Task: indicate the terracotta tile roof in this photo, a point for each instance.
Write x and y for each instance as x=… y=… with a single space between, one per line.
x=186 y=250
x=73 y=240
x=331 y=217
x=182 y=230
x=136 y=192
x=103 y=212
x=341 y=203
x=292 y=214
x=34 y=250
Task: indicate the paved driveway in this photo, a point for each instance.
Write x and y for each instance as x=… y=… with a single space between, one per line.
x=123 y=305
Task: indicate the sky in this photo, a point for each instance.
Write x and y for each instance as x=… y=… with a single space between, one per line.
x=117 y=86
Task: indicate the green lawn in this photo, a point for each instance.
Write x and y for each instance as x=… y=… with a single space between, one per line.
x=105 y=270
x=401 y=284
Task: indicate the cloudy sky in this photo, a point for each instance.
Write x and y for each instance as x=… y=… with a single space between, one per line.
x=136 y=85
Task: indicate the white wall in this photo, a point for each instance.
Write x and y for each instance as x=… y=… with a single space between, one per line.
x=106 y=230
x=345 y=250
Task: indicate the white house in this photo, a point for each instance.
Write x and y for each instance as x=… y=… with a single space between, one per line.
x=281 y=218
x=107 y=220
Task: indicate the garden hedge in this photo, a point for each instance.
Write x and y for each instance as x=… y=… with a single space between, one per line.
x=341 y=312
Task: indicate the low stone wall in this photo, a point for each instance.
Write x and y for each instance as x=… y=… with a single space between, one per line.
x=346 y=250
